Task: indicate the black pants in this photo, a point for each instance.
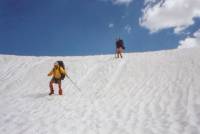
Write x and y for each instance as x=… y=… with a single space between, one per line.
x=55 y=80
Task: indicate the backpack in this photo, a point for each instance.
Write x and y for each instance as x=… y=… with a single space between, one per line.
x=61 y=64
x=120 y=44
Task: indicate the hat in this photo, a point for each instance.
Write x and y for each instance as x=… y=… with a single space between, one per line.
x=56 y=64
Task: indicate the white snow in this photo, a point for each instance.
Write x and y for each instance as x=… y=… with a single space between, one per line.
x=144 y=93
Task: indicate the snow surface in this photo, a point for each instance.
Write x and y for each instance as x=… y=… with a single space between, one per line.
x=144 y=93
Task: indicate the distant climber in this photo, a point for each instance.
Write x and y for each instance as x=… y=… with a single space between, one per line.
x=58 y=72
x=119 y=48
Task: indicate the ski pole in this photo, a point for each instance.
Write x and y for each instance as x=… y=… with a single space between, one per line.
x=74 y=83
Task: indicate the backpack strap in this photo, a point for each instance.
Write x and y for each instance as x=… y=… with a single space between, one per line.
x=59 y=70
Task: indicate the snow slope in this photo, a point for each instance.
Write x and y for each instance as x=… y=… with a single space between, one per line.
x=144 y=93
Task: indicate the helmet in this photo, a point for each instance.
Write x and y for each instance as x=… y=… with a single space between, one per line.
x=56 y=64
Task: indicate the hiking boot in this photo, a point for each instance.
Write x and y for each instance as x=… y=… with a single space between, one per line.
x=60 y=92
x=51 y=92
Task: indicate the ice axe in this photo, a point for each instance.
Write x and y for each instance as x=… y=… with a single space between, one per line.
x=73 y=83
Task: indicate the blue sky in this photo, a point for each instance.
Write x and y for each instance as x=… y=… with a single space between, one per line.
x=87 y=27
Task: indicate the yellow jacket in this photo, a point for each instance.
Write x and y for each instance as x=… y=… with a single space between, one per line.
x=56 y=72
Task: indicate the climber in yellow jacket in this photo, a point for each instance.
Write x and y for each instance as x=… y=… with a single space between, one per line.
x=56 y=73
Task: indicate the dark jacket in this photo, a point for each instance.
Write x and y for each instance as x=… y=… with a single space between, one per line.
x=120 y=44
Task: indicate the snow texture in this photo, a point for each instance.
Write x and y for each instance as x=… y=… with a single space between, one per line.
x=144 y=93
